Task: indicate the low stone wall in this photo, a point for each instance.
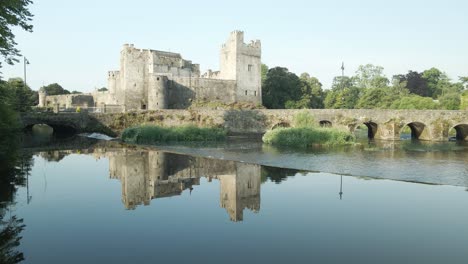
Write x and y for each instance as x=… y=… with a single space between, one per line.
x=383 y=124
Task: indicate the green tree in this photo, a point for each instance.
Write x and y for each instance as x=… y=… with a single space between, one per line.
x=414 y=102
x=23 y=96
x=450 y=101
x=341 y=82
x=399 y=86
x=464 y=81
x=8 y=117
x=54 y=89
x=280 y=86
x=464 y=100
x=370 y=76
x=13 y=13
x=372 y=98
x=415 y=83
x=342 y=99
x=312 y=92
x=436 y=81
x=103 y=89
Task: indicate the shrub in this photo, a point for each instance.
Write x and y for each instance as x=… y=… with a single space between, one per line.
x=307 y=136
x=155 y=134
x=304 y=119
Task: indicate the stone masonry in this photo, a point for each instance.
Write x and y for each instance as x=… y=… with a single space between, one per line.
x=433 y=125
x=153 y=80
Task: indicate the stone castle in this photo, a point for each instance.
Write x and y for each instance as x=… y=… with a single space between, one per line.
x=148 y=175
x=152 y=80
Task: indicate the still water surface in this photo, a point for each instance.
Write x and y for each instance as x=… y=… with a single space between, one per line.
x=112 y=203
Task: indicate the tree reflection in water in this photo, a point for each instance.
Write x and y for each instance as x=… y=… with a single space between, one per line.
x=10 y=239
x=14 y=168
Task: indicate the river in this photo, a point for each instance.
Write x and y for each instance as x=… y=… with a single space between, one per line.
x=92 y=201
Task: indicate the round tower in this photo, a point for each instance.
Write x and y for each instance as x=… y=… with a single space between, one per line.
x=157 y=93
x=42 y=97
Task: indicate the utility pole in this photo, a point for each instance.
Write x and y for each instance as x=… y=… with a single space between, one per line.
x=342 y=75
x=25 y=62
x=341 y=187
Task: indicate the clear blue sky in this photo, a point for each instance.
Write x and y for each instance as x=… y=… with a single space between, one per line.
x=75 y=43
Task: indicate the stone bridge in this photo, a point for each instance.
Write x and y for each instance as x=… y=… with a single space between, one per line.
x=431 y=125
x=65 y=122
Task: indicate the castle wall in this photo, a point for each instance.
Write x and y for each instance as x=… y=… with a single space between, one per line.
x=70 y=100
x=183 y=91
x=172 y=64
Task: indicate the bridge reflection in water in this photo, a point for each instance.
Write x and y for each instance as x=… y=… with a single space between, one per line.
x=147 y=175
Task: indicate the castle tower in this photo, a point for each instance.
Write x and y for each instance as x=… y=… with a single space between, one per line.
x=242 y=62
x=134 y=77
x=42 y=98
x=157 y=89
x=241 y=190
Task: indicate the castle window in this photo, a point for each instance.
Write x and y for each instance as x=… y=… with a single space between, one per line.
x=245 y=92
x=255 y=93
x=157 y=78
x=143 y=107
x=250 y=67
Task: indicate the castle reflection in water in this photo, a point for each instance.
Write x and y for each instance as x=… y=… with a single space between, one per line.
x=147 y=175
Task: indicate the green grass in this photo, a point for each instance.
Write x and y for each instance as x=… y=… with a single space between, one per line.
x=156 y=134
x=306 y=133
x=304 y=137
x=305 y=120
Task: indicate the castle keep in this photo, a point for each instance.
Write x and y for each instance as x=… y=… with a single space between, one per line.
x=152 y=80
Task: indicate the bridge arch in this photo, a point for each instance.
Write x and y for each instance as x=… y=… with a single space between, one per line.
x=325 y=123
x=461 y=131
x=57 y=128
x=417 y=130
x=281 y=124
x=372 y=128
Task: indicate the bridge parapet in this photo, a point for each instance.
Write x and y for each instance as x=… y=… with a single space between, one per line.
x=382 y=124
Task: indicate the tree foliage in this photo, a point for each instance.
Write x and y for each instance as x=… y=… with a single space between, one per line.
x=464 y=82
x=284 y=89
x=16 y=96
x=13 y=13
x=368 y=89
x=370 y=76
x=54 y=89
x=414 y=102
x=346 y=98
x=415 y=83
x=280 y=86
x=450 y=101
x=341 y=82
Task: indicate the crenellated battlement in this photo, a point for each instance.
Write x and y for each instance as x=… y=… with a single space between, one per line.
x=113 y=74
